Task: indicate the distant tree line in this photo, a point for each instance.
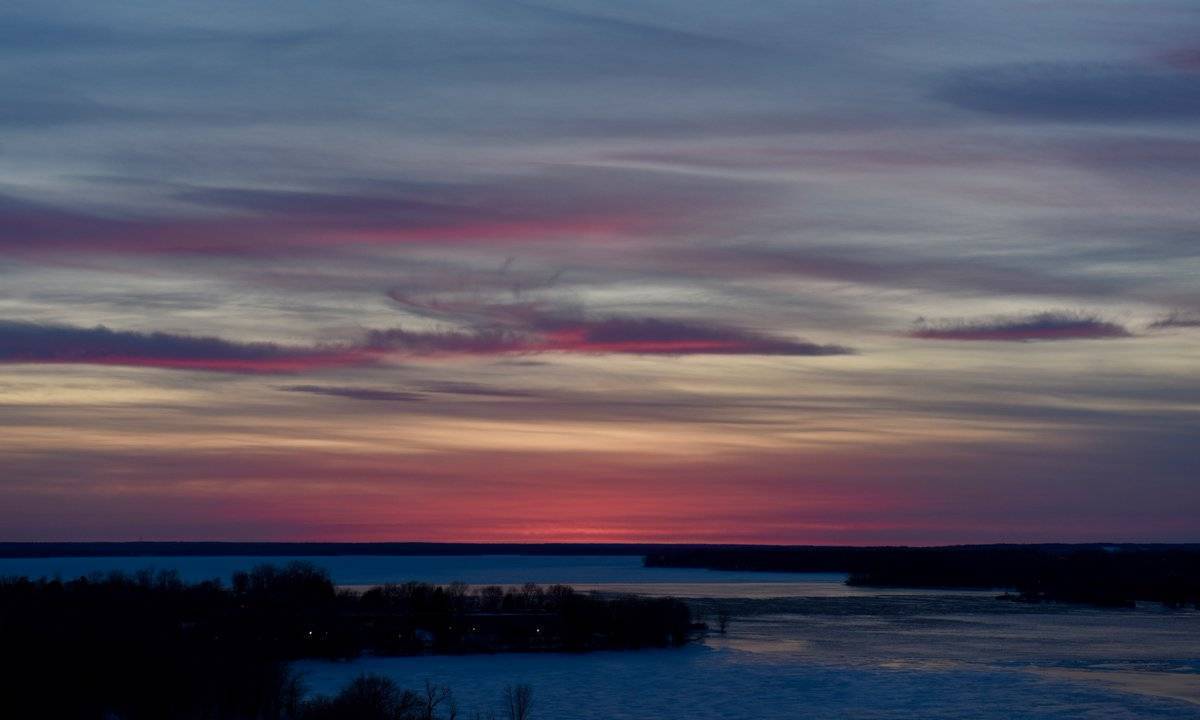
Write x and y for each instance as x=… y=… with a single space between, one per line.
x=150 y=646
x=1103 y=575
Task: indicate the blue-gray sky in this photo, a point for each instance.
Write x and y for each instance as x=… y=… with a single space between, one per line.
x=848 y=272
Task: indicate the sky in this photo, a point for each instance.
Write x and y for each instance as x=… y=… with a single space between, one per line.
x=636 y=270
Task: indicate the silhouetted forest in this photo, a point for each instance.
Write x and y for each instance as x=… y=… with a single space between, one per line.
x=1105 y=575
x=372 y=697
x=150 y=646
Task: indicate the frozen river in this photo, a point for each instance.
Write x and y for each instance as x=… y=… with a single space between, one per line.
x=799 y=646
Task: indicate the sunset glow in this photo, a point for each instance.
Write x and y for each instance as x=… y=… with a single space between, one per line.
x=669 y=272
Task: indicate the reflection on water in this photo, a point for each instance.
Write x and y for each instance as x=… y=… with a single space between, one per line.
x=1181 y=683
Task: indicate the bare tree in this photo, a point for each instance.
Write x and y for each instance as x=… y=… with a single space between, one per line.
x=435 y=696
x=518 y=700
x=457 y=592
x=491 y=597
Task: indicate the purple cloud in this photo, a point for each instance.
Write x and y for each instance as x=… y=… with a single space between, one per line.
x=37 y=343
x=1039 y=326
x=26 y=342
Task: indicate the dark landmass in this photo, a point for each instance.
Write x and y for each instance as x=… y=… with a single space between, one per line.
x=150 y=646
x=1115 y=575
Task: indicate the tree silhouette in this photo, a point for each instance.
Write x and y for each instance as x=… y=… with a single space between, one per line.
x=518 y=701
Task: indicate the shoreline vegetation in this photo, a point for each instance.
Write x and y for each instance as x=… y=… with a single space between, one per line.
x=1117 y=575
x=148 y=645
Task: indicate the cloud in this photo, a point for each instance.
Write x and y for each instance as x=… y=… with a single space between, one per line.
x=356 y=393
x=628 y=336
x=652 y=336
x=495 y=341
x=1039 y=326
x=408 y=213
x=533 y=326
x=26 y=342
x=38 y=343
x=474 y=389
x=426 y=391
x=1080 y=92
x=1176 y=320
x=565 y=203
x=882 y=267
x=266 y=226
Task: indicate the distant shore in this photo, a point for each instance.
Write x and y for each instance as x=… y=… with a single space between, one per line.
x=1107 y=575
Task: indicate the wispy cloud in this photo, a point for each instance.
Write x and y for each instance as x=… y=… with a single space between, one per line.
x=1039 y=326
x=38 y=343
x=1176 y=320
x=652 y=336
x=883 y=267
x=451 y=387
x=423 y=391
x=1075 y=92
x=533 y=326
x=356 y=393
x=630 y=336
x=26 y=342
x=533 y=208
